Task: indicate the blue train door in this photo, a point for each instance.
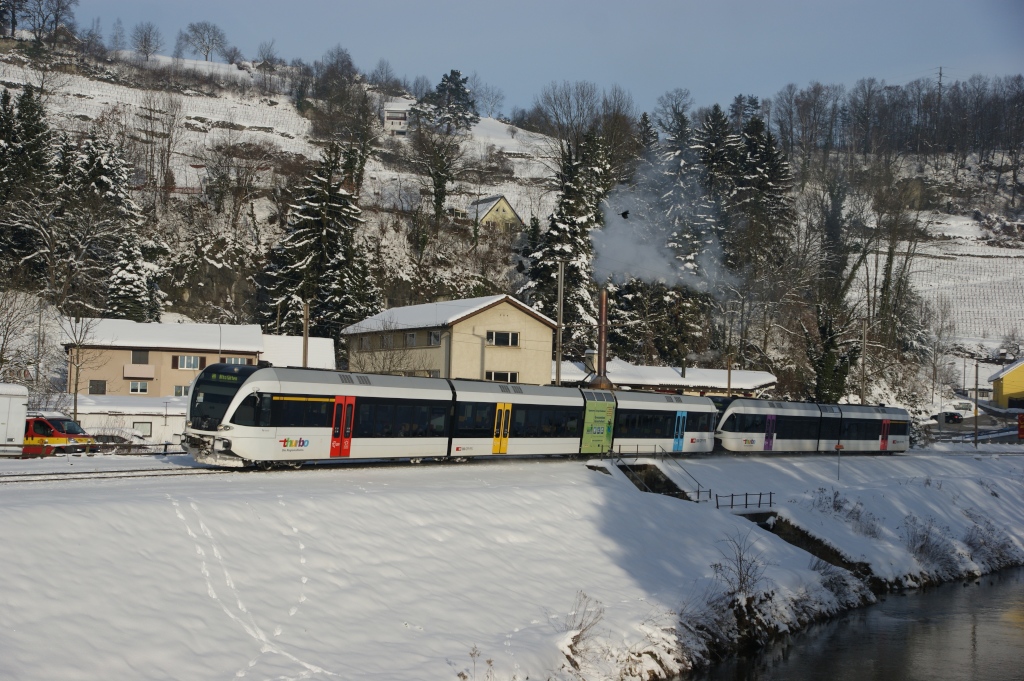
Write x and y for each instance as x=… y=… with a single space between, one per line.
x=769 y=432
x=680 y=430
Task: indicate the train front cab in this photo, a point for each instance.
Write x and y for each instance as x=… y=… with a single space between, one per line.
x=767 y=426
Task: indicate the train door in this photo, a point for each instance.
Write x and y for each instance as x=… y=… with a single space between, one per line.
x=341 y=434
x=885 y=435
x=769 y=432
x=502 y=423
x=679 y=432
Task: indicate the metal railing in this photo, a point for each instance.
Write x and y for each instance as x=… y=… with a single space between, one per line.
x=661 y=454
x=750 y=500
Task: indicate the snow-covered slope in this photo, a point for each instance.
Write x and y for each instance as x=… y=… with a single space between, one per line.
x=402 y=573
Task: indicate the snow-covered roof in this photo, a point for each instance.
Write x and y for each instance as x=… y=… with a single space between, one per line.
x=436 y=315
x=131 y=404
x=402 y=104
x=481 y=207
x=621 y=372
x=1006 y=370
x=124 y=333
x=286 y=351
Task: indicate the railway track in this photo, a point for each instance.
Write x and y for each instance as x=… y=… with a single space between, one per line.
x=62 y=476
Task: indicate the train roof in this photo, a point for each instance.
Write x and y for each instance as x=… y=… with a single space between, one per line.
x=514 y=392
x=629 y=398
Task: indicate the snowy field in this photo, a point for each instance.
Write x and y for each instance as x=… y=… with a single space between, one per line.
x=401 y=573
x=984 y=283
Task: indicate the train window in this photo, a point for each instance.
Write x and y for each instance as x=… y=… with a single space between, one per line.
x=293 y=411
x=475 y=419
x=796 y=427
x=861 y=429
x=729 y=424
x=384 y=420
x=534 y=420
x=829 y=429
x=288 y=413
x=245 y=414
x=389 y=417
x=699 y=422
x=348 y=420
x=336 y=431
x=318 y=414
x=749 y=423
x=899 y=428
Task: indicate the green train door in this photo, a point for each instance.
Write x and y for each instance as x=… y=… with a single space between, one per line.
x=598 y=419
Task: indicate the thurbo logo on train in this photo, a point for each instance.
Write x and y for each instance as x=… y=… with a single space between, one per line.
x=288 y=443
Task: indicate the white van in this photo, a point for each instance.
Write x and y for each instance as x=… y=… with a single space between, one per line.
x=13 y=408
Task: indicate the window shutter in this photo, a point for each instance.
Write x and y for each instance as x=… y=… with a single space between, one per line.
x=174 y=361
x=248 y=361
x=202 y=362
x=223 y=360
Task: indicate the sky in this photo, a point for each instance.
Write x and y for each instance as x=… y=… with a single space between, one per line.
x=715 y=48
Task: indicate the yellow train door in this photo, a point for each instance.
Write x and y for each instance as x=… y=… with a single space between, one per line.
x=502 y=423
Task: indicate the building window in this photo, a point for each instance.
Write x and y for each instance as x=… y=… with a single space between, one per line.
x=234 y=360
x=435 y=338
x=502 y=376
x=181 y=391
x=97 y=387
x=144 y=427
x=410 y=340
x=434 y=373
x=188 y=362
x=364 y=343
x=139 y=387
x=503 y=338
x=387 y=341
x=140 y=356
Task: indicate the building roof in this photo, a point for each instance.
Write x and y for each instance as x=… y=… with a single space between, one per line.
x=1009 y=368
x=221 y=338
x=436 y=315
x=401 y=104
x=124 y=333
x=286 y=351
x=481 y=207
x=623 y=373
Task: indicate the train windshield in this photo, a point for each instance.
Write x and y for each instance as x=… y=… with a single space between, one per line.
x=213 y=392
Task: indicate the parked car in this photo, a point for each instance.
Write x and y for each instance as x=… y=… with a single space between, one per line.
x=949 y=417
x=125 y=441
x=51 y=432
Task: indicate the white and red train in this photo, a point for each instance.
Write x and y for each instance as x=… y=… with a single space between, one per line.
x=246 y=415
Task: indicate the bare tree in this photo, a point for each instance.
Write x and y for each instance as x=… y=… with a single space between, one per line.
x=146 y=39
x=385 y=351
x=672 y=106
x=205 y=38
x=489 y=99
x=232 y=55
x=62 y=13
x=78 y=332
x=118 y=42
x=38 y=13
x=17 y=310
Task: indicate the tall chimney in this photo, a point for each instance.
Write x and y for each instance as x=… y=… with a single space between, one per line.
x=600 y=381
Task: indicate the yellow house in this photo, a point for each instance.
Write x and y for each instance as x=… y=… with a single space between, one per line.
x=494 y=338
x=495 y=212
x=1008 y=386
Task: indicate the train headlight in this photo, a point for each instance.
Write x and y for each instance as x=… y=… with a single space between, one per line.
x=223 y=426
x=188 y=424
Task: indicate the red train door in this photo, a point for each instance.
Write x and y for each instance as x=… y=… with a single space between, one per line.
x=341 y=434
x=885 y=435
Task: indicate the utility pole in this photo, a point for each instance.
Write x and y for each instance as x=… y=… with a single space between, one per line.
x=863 y=360
x=305 y=335
x=558 y=332
x=975 y=404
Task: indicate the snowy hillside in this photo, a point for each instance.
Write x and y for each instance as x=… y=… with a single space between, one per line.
x=523 y=569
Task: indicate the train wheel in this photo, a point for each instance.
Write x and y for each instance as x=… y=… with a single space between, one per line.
x=265 y=465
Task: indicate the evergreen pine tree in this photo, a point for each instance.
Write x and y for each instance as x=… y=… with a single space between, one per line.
x=647 y=136
x=128 y=289
x=582 y=176
x=318 y=261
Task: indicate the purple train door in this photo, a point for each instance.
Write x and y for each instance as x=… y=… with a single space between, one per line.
x=769 y=432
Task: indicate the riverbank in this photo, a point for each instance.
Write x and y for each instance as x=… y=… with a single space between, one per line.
x=501 y=570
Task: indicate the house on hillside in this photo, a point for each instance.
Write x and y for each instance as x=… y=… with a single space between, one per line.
x=494 y=338
x=1008 y=386
x=494 y=212
x=63 y=37
x=122 y=357
x=396 y=117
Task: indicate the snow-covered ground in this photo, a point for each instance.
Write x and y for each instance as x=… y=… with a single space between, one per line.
x=402 y=573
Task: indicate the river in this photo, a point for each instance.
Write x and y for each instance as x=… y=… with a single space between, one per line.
x=946 y=633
